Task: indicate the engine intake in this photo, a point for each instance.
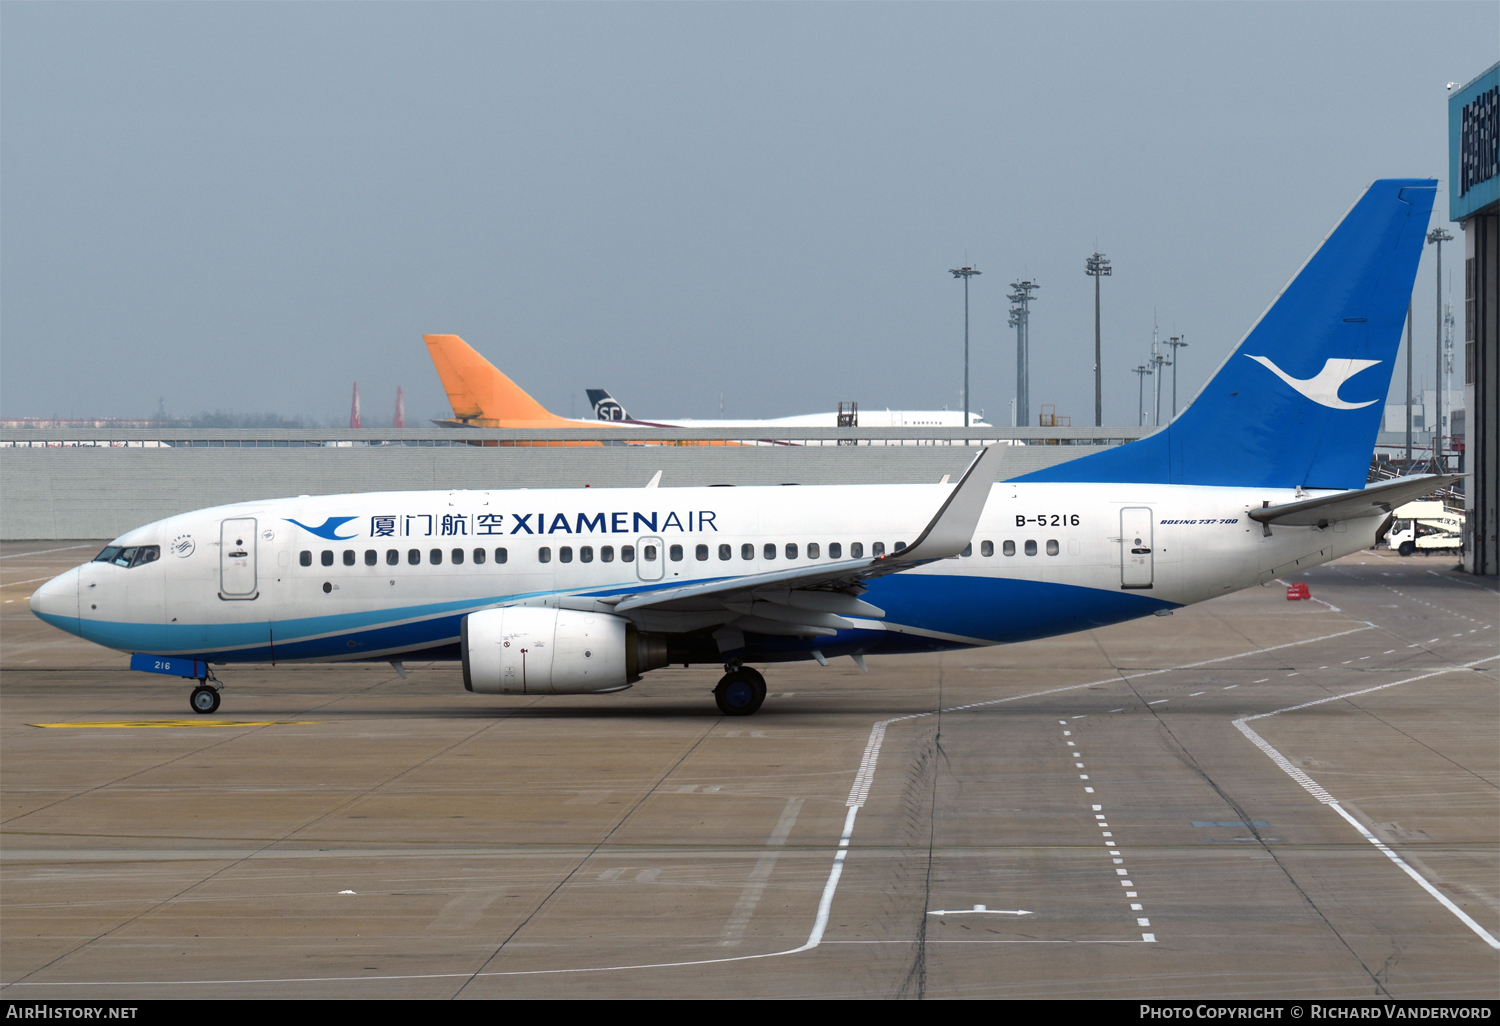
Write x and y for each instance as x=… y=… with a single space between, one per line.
x=525 y=650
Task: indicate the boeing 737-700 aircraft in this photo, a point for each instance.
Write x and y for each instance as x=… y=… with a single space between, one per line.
x=583 y=591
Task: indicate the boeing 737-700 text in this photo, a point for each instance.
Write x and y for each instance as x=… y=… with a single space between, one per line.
x=583 y=591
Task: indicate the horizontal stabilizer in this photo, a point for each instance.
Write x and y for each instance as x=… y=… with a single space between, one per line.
x=1376 y=500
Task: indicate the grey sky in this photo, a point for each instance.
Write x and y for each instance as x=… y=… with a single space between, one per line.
x=249 y=206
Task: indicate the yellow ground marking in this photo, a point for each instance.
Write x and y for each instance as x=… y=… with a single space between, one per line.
x=137 y=724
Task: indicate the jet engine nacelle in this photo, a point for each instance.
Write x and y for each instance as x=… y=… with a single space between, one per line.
x=525 y=650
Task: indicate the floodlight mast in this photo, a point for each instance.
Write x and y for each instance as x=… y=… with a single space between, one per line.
x=965 y=273
x=1438 y=236
x=1140 y=394
x=1020 y=319
x=1176 y=343
x=1157 y=361
x=1096 y=267
x=1409 y=341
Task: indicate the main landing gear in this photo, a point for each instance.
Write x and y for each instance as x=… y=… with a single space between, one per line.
x=205 y=697
x=740 y=691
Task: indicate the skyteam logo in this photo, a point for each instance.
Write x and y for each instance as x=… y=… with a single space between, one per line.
x=327 y=529
x=1323 y=387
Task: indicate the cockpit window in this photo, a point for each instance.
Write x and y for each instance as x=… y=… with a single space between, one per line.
x=135 y=555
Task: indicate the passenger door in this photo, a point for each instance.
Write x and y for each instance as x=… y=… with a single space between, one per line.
x=650 y=560
x=237 y=568
x=1137 y=566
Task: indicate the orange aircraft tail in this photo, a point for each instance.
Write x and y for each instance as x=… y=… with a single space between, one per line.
x=480 y=394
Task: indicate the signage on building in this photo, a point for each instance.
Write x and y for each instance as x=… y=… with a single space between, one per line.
x=1474 y=146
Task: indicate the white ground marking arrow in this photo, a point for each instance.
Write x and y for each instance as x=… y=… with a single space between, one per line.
x=980 y=909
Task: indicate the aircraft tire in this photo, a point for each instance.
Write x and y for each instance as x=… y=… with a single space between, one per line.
x=204 y=700
x=1407 y=548
x=740 y=693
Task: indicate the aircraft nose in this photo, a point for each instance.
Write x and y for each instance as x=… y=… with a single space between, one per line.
x=57 y=601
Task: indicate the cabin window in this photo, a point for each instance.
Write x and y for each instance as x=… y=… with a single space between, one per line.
x=968 y=550
x=392 y=557
x=701 y=552
x=747 y=551
x=1030 y=547
x=675 y=552
x=586 y=554
x=544 y=555
x=769 y=551
x=856 y=550
x=565 y=554
x=479 y=555
x=457 y=555
x=414 y=556
x=348 y=557
x=627 y=553
x=835 y=550
x=986 y=548
x=435 y=557
x=1009 y=548
x=1052 y=546
x=791 y=550
x=726 y=552
x=501 y=555
x=812 y=550
x=877 y=549
x=306 y=558
x=327 y=557
x=607 y=554
x=371 y=557
x=648 y=553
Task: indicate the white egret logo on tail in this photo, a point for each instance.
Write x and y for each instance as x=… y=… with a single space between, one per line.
x=1323 y=387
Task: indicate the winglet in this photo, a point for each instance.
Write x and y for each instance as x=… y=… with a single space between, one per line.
x=479 y=393
x=951 y=530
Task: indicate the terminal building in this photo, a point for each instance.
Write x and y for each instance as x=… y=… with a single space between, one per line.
x=1474 y=202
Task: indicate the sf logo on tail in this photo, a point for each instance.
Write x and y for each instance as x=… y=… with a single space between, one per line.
x=1323 y=387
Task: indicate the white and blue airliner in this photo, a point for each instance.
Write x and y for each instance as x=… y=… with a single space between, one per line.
x=539 y=592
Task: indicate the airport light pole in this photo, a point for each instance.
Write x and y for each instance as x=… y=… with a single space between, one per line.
x=1096 y=267
x=965 y=273
x=1438 y=236
x=1407 y=468
x=1020 y=319
x=1176 y=343
x=1140 y=394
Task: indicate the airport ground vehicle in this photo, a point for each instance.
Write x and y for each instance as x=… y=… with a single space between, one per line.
x=584 y=591
x=1426 y=525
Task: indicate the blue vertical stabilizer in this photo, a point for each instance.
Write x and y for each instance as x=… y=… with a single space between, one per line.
x=1299 y=400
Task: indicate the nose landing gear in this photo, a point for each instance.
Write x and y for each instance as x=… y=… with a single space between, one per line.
x=205 y=697
x=740 y=691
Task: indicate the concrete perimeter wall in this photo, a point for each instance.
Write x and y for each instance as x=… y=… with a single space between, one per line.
x=84 y=492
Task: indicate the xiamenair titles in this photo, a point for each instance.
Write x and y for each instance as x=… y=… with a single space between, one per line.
x=403 y=524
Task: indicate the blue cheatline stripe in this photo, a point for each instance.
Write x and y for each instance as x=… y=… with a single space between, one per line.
x=963 y=609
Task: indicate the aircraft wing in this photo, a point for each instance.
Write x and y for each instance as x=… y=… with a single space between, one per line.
x=1375 y=500
x=808 y=600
